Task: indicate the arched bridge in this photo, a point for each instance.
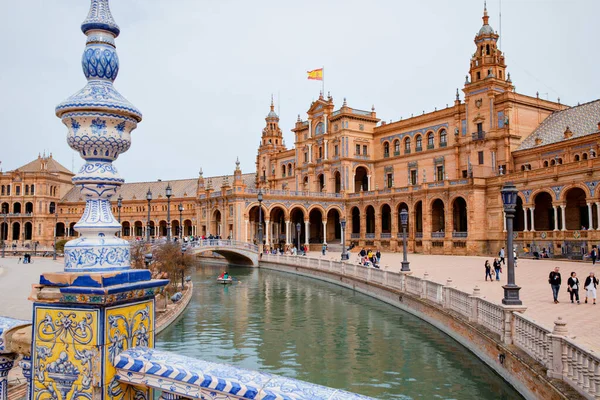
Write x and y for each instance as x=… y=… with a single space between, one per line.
x=240 y=253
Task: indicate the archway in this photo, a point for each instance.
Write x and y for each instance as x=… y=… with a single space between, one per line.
x=139 y=229
x=277 y=229
x=419 y=218
x=361 y=180
x=216 y=227
x=162 y=228
x=370 y=220
x=72 y=229
x=17 y=208
x=28 y=208
x=253 y=218
x=4 y=231
x=402 y=206
x=126 y=229
x=576 y=212
x=59 y=229
x=519 y=220
x=338 y=181
x=356 y=221
x=543 y=217
x=28 y=230
x=334 y=229
x=297 y=217
x=386 y=220
x=188 y=229
x=315 y=218
x=459 y=215
x=175 y=228
x=16 y=231
x=152 y=229
x=438 y=219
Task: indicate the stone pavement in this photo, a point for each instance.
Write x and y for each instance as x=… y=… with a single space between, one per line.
x=16 y=280
x=466 y=272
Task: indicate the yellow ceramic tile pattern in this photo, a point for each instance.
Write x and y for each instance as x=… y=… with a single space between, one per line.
x=126 y=326
x=65 y=353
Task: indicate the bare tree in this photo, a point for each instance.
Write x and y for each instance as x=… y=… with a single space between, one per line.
x=170 y=259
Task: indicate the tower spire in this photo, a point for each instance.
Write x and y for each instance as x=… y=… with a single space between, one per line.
x=485 y=17
x=272 y=104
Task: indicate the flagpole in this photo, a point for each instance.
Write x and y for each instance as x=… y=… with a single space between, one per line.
x=323 y=81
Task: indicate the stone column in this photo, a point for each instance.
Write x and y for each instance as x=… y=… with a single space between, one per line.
x=307 y=230
x=287 y=232
x=564 y=220
x=326 y=147
x=555 y=217
x=504 y=221
x=267 y=232
x=368 y=183
x=532 y=219
x=525 y=218
x=354 y=182
x=245 y=230
x=394 y=224
x=590 y=219
x=324 y=231
x=6 y=363
x=598 y=215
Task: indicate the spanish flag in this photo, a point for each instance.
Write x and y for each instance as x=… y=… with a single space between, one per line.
x=315 y=74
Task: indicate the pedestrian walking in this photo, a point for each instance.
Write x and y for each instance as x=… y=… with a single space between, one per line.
x=497 y=268
x=590 y=286
x=573 y=287
x=488 y=271
x=502 y=254
x=554 y=280
x=594 y=255
x=324 y=248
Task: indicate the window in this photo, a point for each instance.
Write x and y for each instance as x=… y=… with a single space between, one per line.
x=8 y=190
x=480 y=157
x=361 y=127
x=26 y=190
x=464 y=173
x=386 y=149
x=430 y=140
x=545 y=164
x=17 y=190
x=440 y=172
x=320 y=152
x=576 y=157
x=407 y=146
x=305 y=157
x=396 y=147
x=3 y=190
x=478 y=75
x=419 y=144
x=389 y=180
x=443 y=138
x=463 y=126
x=335 y=150
x=413 y=176
x=335 y=127
x=500 y=119
x=358 y=149
x=364 y=150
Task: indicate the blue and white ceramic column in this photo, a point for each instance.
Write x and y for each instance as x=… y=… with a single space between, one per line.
x=98 y=306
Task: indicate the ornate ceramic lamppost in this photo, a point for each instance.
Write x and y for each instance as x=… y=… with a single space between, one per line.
x=511 y=290
x=98 y=306
x=180 y=219
x=344 y=250
x=149 y=198
x=169 y=193
x=260 y=227
x=404 y=222
x=119 y=205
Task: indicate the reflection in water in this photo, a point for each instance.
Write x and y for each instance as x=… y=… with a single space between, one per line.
x=321 y=333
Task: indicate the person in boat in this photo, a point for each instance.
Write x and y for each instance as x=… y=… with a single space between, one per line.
x=225 y=275
x=222 y=275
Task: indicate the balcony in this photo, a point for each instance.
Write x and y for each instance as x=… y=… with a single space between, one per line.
x=355 y=236
x=396 y=153
x=386 y=155
x=438 y=235
x=460 y=235
x=370 y=235
x=419 y=235
x=479 y=135
x=386 y=236
x=430 y=147
x=418 y=149
x=443 y=144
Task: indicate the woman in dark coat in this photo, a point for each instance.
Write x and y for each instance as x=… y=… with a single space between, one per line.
x=573 y=287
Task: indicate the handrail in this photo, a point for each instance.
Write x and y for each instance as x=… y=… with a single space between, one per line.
x=225 y=243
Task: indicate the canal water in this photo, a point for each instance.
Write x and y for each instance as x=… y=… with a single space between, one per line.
x=325 y=334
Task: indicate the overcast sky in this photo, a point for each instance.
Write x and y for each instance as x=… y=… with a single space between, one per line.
x=202 y=71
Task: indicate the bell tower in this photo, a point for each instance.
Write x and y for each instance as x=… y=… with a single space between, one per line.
x=487 y=63
x=271 y=142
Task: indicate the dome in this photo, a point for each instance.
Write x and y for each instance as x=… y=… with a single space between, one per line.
x=272 y=114
x=486 y=30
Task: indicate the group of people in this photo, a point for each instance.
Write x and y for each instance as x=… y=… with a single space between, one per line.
x=368 y=258
x=497 y=269
x=590 y=284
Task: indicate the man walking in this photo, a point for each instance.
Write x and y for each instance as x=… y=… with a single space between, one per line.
x=554 y=280
x=594 y=255
x=502 y=255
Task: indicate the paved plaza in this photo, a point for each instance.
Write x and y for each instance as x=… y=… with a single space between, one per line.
x=466 y=272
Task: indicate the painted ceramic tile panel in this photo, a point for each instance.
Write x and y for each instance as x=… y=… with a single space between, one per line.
x=126 y=326
x=65 y=353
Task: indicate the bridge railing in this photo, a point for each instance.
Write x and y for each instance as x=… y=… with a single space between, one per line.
x=225 y=243
x=565 y=360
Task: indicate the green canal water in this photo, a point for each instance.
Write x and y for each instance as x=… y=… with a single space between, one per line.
x=322 y=333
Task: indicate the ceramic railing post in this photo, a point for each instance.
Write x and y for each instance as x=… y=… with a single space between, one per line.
x=99 y=306
x=475 y=304
x=6 y=363
x=25 y=365
x=558 y=368
x=446 y=290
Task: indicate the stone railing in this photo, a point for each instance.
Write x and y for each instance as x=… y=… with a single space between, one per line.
x=181 y=377
x=225 y=243
x=573 y=364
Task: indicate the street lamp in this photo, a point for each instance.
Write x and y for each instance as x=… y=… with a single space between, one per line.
x=344 y=250
x=509 y=199
x=149 y=198
x=4 y=233
x=169 y=192
x=55 y=232
x=260 y=228
x=404 y=222
x=119 y=205
x=180 y=219
x=298 y=227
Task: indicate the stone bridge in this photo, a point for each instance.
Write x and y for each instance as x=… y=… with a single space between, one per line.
x=235 y=252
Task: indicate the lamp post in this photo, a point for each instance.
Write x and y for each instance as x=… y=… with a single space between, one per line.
x=119 y=205
x=4 y=233
x=509 y=199
x=149 y=198
x=260 y=228
x=169 y=193
x=298 y=227
x=180 y=219
x=55 y=229
x=344 y=250
x=404 y=222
